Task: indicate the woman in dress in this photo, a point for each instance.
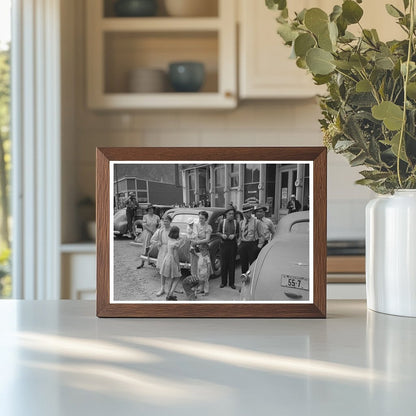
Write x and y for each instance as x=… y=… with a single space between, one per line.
x=170 y=269
x=160 y=239
x=203 y=233
x=150 y=223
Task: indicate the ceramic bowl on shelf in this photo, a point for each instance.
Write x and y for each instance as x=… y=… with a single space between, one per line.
x=135 y=8
x=186 y=76
x=191 y=8
x=147 y=81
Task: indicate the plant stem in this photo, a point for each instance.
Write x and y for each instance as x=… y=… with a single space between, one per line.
x=405 y=81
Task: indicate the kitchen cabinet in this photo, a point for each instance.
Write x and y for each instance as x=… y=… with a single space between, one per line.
x=118 y=45
x=265 y=70
x=78 y=263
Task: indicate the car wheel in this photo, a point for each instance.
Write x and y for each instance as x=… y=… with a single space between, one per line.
x=216 y=264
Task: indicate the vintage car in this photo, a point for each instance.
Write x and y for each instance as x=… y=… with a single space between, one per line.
x=120 y=218
x=181 y=218
x=281 y=271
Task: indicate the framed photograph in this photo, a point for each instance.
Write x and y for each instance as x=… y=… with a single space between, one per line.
x=211 y=232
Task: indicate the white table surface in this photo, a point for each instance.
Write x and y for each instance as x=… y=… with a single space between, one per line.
x=57 y=358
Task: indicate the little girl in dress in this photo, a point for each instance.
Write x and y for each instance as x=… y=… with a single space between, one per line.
x=204 y=269
x=170 y=268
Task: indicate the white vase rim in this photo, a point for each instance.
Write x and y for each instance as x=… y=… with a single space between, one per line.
x=405 y=191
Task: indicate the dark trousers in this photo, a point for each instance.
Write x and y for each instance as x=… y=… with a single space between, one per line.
x=228 y=252
x=248 y=251
x=130 y=216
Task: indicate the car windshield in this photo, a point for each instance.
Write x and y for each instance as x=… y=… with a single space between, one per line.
x=300 y=227
x=182 y=220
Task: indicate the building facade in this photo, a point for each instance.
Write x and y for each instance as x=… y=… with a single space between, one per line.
x=220 y=185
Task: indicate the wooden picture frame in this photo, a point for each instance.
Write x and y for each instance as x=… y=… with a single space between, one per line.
x=314 y=157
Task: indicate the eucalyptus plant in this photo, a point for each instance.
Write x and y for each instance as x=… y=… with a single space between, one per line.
x=369 y=111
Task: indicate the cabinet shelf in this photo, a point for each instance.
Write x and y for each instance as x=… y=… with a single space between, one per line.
x=198 y=100
x=160 y=24
x=117 y=46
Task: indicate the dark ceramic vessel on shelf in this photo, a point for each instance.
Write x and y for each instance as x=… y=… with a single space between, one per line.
x=135 y=8
x=186 y=76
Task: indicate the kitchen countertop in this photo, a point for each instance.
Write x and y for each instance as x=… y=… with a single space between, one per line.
x=57 y=358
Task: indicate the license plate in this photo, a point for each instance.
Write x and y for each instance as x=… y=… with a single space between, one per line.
x=295 y=282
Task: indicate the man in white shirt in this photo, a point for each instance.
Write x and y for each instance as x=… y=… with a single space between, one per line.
x=268 y=226
x=251 y=238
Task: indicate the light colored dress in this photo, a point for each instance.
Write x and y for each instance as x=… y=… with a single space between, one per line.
x=152 y=222
x=170 y=266
x=204 y=272
x=201 y=233
x=160 y=238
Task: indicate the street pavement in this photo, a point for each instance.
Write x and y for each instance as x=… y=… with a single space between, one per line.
x=132 y=284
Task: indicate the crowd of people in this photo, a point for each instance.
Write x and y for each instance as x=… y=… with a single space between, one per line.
x=244 y=236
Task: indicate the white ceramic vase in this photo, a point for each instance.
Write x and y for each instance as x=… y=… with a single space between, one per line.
x=391 y=253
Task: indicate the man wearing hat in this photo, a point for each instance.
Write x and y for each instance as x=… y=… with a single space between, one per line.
x=251 y=238
x=267 y=223
x=229 y=230
x=131 y=206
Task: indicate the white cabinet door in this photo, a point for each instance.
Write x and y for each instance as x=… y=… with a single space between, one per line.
x=265 y=68
x=266 y=71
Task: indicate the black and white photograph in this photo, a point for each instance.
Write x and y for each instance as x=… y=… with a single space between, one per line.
x=211 y=232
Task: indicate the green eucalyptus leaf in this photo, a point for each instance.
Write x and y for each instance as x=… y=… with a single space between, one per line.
x=325 y=42
x=342 y=25
x=316 y=20
x=384 y=62
x=321 y=79
x=285 y=13
x=375 y=35
x=393 y=11
x=394 y=145
x=336 y=12
x=343 y=145
x=374 y=174
x=301 y=63
x=301 y=15
x=287 y=33
x=358 y=61
x=276 y=4
x=320 y=61
x=281 y=19
x=344 y=65
x=347 y=37
x=411 y=90
x=303 y=43
x=358 y=160
x=368 y=36
x=351 y=11
x=388 y=112
x=406 y=4
x=333 y=32
x=363 y=86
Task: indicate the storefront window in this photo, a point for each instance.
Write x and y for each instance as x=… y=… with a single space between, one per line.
x=131 y=184
x=219 y=173
x=234 y=176
x=284 y=191
x=203 y=191
x=252 y=173
x=251 y=183
x=191 y=187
